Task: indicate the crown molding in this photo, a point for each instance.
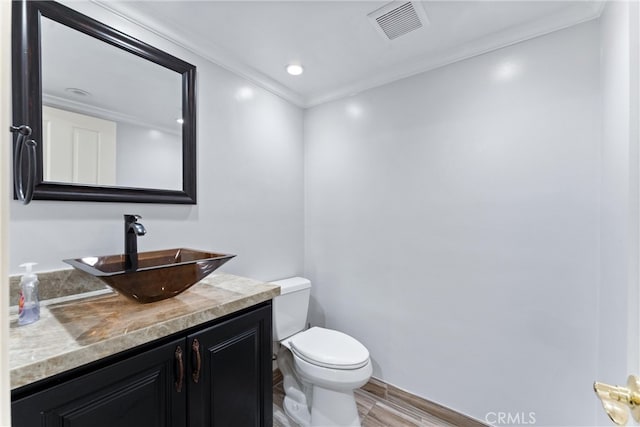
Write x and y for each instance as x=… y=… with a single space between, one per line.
x=212 y=53
x=207 y=50
x=102 y=113
x=477 y=47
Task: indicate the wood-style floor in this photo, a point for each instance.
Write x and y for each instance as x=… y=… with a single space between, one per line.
x=376 y=409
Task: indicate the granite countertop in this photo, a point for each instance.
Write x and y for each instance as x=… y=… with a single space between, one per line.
x=81 y=330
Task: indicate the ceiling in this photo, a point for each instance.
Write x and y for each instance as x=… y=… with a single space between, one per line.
x=338 y=45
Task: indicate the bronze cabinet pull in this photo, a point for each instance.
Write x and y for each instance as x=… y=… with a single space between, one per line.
x=180 y=365
x=195 y=346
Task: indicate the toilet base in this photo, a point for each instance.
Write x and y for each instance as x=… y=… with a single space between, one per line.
x=298 y=412
x=334 y=408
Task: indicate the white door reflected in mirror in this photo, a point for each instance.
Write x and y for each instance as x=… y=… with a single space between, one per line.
x=77 y=148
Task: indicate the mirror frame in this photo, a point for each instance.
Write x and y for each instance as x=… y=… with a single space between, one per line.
x=27 y=101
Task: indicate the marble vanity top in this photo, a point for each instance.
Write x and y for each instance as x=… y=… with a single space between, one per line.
x=72 y=333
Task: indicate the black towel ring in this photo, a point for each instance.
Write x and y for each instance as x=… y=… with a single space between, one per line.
x=24 y=192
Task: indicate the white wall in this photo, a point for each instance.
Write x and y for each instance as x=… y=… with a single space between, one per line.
x=250 y=185
x=148 y=157
x=452 y=226
x=618 y=298
x=5 y=166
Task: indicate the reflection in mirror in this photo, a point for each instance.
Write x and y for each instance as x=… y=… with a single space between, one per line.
x=115 y=117
x=114 y=120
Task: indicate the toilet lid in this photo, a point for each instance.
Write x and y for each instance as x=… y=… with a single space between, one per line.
x=329 y=348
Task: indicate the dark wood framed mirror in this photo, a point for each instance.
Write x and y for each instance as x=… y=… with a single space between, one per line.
x=113 y=117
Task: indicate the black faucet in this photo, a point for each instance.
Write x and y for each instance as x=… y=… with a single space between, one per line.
x=132 y=229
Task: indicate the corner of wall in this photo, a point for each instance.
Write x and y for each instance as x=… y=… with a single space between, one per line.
x=5 y=142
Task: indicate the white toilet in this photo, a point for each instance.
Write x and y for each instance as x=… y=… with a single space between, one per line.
x=321 y=367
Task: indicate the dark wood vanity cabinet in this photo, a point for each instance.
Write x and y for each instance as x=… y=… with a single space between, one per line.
x=218 y=375
x=234 y=386
x=133 y=392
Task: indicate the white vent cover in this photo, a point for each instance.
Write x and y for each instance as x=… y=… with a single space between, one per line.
x=398 y=18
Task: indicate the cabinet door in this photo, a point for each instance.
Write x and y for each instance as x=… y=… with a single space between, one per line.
x=233 y=387
x=137 y=392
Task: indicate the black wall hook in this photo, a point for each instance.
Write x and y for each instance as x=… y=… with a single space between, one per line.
x=22 y=129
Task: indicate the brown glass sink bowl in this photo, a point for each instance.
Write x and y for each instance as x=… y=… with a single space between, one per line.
x=159 y=274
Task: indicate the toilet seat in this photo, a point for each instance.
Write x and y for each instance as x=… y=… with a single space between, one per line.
x=329 y=349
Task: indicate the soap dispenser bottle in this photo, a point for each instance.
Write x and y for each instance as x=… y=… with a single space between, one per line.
x=28 y=306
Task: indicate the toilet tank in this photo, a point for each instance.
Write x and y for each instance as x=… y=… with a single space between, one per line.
x=290 y=308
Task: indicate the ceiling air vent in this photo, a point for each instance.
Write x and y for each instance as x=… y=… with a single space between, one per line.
x=398 y=18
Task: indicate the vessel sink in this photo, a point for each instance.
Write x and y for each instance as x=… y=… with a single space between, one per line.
x=159 y=274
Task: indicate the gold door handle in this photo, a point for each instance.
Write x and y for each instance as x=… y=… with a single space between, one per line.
x=618 y=401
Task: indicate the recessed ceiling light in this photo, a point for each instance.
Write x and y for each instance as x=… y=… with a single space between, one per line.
x=78 y=92
x=294 y=69
x=180 y=120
